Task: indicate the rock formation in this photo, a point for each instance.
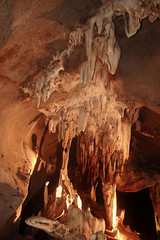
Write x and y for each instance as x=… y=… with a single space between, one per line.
x=79 y=107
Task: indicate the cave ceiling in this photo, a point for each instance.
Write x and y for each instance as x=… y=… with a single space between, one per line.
x=84 y=70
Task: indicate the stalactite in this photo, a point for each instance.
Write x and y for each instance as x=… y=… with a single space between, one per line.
x=99 y=23
x=114 y=59
x=89 y=53
x=76 y=37
x=103 y=46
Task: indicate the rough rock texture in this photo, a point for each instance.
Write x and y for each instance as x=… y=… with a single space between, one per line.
x=84 y=71
x=77 y=223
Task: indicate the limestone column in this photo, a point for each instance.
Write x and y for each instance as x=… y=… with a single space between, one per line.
x=110 y=203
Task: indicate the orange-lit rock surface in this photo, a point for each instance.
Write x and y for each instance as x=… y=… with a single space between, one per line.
x=79 y=101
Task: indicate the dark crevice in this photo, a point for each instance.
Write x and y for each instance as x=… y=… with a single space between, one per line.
x=36 y=118
x=42 y=139
x=145 y=142
x=99 y=193
x=34 y=141
x=54 y=178
x=33 y=207
x=73 y=154
x=139 y=213
x=72 y=163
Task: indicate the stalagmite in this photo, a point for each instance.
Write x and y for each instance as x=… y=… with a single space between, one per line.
x=46 y=194
x=110 y=203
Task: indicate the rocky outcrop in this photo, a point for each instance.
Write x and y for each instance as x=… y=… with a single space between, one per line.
x=88 y=71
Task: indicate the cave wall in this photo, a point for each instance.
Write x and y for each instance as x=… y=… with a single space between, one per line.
x=51 y=76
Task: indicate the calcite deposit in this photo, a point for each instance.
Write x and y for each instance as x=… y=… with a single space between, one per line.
x=80 y=111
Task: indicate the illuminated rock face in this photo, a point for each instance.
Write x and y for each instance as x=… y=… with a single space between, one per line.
x=78 y=69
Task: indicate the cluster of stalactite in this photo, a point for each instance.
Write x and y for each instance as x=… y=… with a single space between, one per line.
x=98 y=38
x=93 y=114
x=102 y=147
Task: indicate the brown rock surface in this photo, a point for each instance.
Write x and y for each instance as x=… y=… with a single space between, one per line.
x=84 y=71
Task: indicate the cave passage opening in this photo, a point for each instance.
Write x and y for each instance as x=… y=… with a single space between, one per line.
x=139 y=213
